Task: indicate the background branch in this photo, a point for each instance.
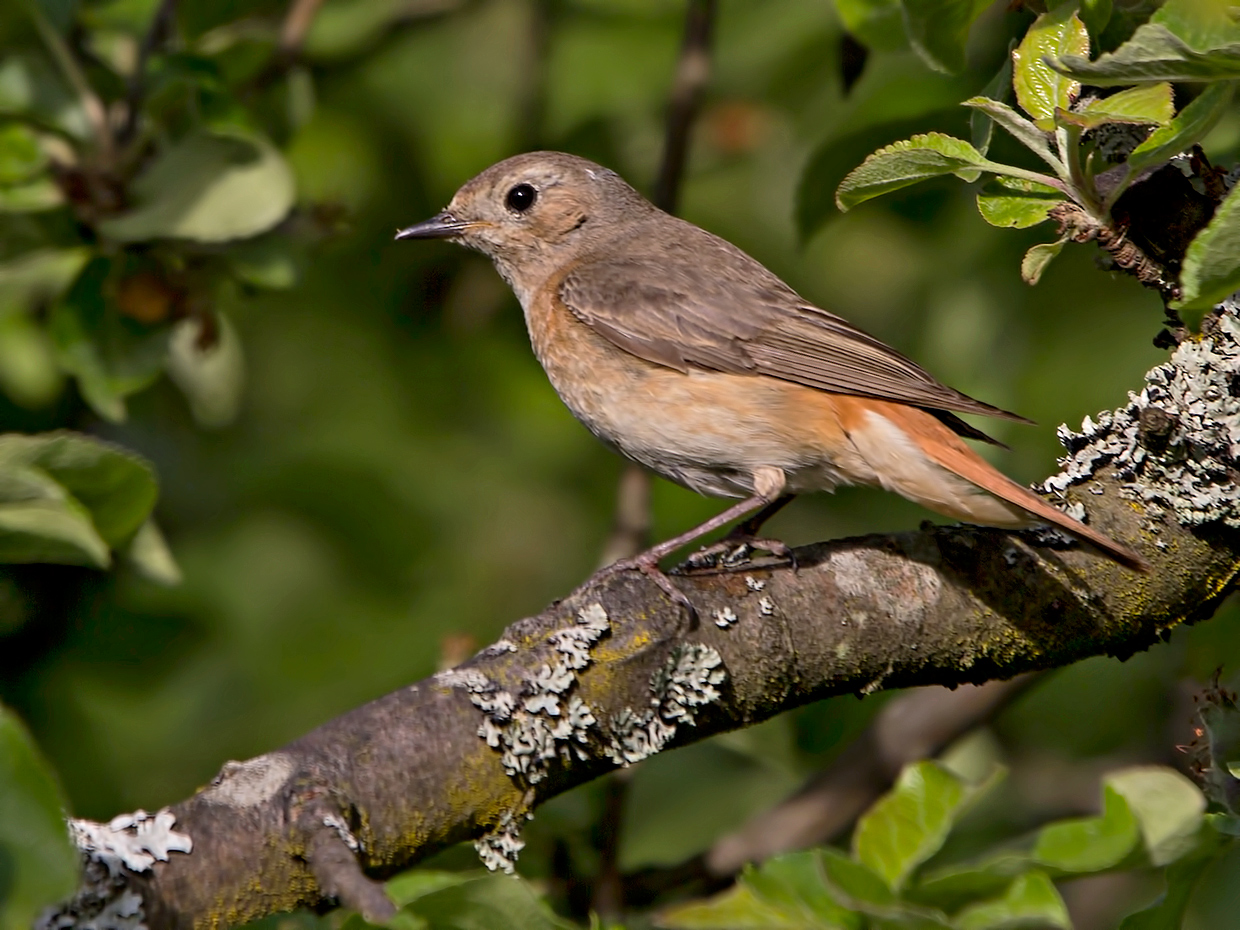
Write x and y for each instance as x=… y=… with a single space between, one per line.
x=631 y=533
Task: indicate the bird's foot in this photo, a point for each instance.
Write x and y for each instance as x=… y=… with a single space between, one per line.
x=734 y=551
x=648 y=565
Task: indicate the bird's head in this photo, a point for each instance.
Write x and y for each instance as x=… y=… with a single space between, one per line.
x=533 y=214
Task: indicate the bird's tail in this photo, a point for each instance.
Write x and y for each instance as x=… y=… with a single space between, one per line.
x=963 y=461
x=901 y=441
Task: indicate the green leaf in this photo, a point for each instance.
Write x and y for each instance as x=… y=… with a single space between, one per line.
x=1016 y=203
x=29 y=374
x=212 y=378
x=53 y=530
x=417 y=883
x=483 y=902
x=40 y=275
x=113 y=489
x=1145 y=104
x=1188 y=128
x=109 y=355
x=1153 y=54
x=1025 y=132
x=738 y=908
x=40 y=863
x=859 y=886
x=1095 y=14
x=1220 y=718
x=1037 y=258
x=982 y=121
x=211 y=187
x=31 y=197
x=878 y=24
x=955 y=886
x=1030 y=901
x=908 y=825
x=271 y=262
x=21 y=156
x=1169 y=809
x=903 y=163
x=150 y=556
x=1185 y=40
x=31 y=88
x=1202 y=24
x=788 y=892
x=796 y=882
x=1167 y=913
x=1211 y=268
x=1039 y=88
x=1090 y=844
x=939 y=30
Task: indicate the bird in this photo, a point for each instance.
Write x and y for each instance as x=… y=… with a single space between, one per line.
x=683 y=353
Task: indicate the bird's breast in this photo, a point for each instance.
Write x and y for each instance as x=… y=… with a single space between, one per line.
x=706 y=430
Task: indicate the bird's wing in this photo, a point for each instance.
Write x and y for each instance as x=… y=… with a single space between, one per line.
x=707 y=305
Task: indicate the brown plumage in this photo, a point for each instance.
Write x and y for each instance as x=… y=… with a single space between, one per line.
x=686 y=355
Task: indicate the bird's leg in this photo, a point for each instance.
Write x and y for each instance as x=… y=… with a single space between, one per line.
x=743 y=538
x=748 y=529
x=768 y=485
x=648 y=562
x=745 y=533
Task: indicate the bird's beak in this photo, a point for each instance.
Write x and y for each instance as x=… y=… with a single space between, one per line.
x=440 y=226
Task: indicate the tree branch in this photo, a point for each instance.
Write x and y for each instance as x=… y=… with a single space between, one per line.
x=613 y=673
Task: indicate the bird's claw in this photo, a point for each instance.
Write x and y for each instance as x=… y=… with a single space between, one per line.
x=650 y=568
x=735 y=551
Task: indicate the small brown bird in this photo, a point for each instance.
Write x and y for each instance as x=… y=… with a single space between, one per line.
x=682 y=353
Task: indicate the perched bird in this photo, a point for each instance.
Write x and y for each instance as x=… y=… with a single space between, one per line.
x=682 y=353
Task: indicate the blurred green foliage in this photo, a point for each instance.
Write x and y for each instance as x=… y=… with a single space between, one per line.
x=362 y=471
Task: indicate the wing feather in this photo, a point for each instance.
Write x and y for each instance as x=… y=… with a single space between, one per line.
x=699 y=302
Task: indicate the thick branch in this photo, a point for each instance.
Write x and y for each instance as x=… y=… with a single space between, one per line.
x=614 y=673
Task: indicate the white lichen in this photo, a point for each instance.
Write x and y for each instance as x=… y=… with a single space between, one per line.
x=136 y=841
x=724 y=617
x=766 y=606
x=468 y=679
x=127 y=843
x=499 y=648
x=102 y=909
x=500 y=848
x=249 y=783
x=1195 y=400
x=541 y=723
x=686 y=681
x=342 y=830
x=753 y=583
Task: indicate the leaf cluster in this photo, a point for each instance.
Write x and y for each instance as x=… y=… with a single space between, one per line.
x=1184 y=41
x=141 y=190
x=1151 y=817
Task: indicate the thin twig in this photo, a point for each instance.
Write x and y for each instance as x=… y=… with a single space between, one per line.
x=293 y=31
x=92 y=106
x=156 y=35
x=692 y=72
x=296 y=24
x=632 y=524
x=631 y=533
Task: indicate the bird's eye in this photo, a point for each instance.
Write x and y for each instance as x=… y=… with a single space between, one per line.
x=521 y=198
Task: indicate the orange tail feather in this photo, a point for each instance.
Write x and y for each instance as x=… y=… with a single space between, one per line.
x=964 y=462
